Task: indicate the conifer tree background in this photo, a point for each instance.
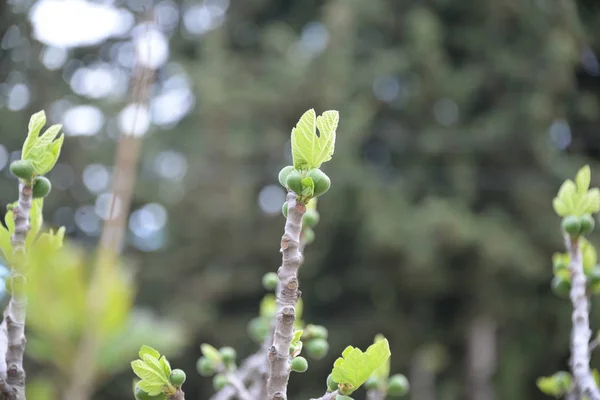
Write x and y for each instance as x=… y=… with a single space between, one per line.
x=459 y=122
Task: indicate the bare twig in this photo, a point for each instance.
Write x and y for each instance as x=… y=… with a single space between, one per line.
x=13 y=384
x=239 y=387
x=328 y=396
x=287 y=297
x=580 y=333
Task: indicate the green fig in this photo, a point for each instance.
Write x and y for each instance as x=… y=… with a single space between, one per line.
x=571 y=225
x=284 y=209
x=284 y=173
x=22 y=169
x=321 y=180
x=219 y=382
x=372 y=383
x=560 y=286
x=299 y=364
x=177 y=377
x=41 y=187
x=309 y=235
x=142 y=395
x=228 y=353
x=317 y=348
x=294 y=182
x=398 y=385
x=314 y=332
x=559 y=266
x=331 y=384
x=593 y=276
x=587 y=224
x=206 y=367
x=258 y=328
x=270 y=281
x=310 y=218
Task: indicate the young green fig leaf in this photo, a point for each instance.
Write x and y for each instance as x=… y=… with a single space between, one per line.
x=22 y=169
x=294 y=182
x=398 y=385
x=206 y=367
x=219 y=382
x=177 y=377
x=587 y=223
x=270 y=281
x=299 y=364
x=355 y=366
x=140 y=394
x=41 y=187
x=571 y=225
x=317 y=348
x=321 y=181
x=284 y=173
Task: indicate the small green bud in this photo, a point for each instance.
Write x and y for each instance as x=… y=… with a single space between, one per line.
x=177 y=377
x=142 y=395
x=22 y=169
x=398 y=385
x=560 y=286
x=372 y=383
x=571 y=225
x=41 y=187
x=294 y=181
x=284 y=209
x=331 y=384
x=310 y=218
x=284 y=173
x=219 y=382
x=228 y=353
x=206 y=367
x=315 y=332
x=321 y=180
x=587 y=224
x=270 y=281
x=317 y=348
x=258 y=329
x=309 y=235
x=299 y=364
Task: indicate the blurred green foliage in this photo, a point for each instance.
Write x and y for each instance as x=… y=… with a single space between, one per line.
x=459 y=121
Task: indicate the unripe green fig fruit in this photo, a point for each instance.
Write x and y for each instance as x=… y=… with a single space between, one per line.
x=321 y=180
x=177 y=377
x=206 y=367
x=219 y=382
x=317 y=348
x=310 y=218
x=258 y=328
x=593 y=276
x=571 y=225
x=299 y=364
x=22 y=169
x=284 y=209
x=314 y=332
x=270 y=281
x=331 y=384
x=41 y=187
x=294 y=181
x=228 y=353
x=372 y=383
x=398 y=385
x=559 y=266
x=560 y=286
x=588 y=224
x=284 y=173
x=142 y=395
x=309 y=235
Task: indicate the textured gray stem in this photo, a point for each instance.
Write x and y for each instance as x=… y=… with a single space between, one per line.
x=14 y=314
x=328 y=396
x=179 y=395
x=375 y=394
x=580 y=333
x=239 y=387
x=287 y=297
